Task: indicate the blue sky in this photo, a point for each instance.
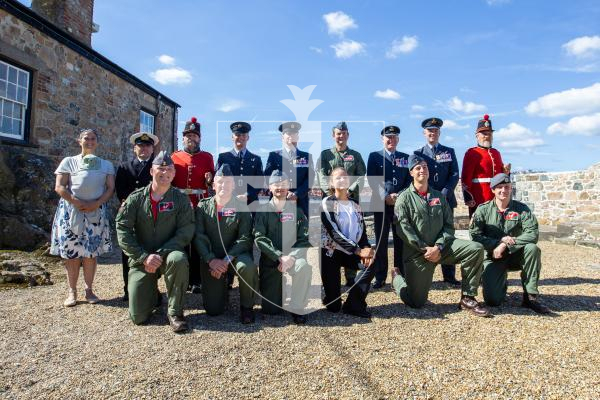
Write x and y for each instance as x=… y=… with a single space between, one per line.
x=533 y=66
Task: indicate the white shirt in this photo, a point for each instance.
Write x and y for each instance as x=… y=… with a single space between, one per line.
x=348 y=220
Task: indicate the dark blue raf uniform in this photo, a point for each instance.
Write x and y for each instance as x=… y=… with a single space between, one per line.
x=296 y=164
x=242 y=163
x=443 y=176
x=132 y=175
x=387 y=174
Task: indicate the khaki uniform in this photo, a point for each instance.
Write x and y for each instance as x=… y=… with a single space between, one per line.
x=231 y=236
x=277 y=234
x=428 y=222
x=139 y=236
x=488 y=226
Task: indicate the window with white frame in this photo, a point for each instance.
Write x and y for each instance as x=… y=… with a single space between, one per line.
x=146 y=122
x=14 y=96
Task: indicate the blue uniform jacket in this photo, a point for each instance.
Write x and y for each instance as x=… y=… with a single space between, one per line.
x=299 y=170
x=443 y=170
x=387 y=173
x=249 y=165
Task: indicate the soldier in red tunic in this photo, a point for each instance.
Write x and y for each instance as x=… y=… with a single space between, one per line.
x=194 y=171
x=480 y=164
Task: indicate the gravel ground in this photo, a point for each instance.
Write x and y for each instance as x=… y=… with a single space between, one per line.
x=94 y=351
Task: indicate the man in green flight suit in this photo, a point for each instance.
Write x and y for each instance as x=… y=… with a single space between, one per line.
x=508 y=231
x=223 y=238
x=154 y=225
x=281 y=234
x=340 y=155
x=424 y=222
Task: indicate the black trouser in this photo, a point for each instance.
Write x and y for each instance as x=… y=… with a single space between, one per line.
x=331 y=275
x=125 y=262
x=383 y=223
x=194 y=262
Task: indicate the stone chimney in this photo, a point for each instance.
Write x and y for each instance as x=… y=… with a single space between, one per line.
x=75 y=17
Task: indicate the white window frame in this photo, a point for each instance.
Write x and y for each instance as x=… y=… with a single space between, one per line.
x=22 y=83
x=147 y=122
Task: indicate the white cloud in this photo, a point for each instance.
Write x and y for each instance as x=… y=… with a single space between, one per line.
x=585 y=125
x=387 y=94
x=230 y=105
x=518 y=136
x=172 y=76
x=452 y=125
x=417 y=108
x=166 y=60
x=339 y=22
x=348 y=48
x=567 y=102
x=404 y=46
x=467 y=107
x=584 y=46
x=317 y=50
x=417 y=116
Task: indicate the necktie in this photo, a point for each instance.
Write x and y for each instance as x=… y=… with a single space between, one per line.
x=240 y=155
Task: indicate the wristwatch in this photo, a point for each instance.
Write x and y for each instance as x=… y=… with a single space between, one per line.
x=440 y=247
x=228 y=258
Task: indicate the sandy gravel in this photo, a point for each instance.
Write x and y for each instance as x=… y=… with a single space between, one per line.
x=94 y=351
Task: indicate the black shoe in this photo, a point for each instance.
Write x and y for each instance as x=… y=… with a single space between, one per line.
x=349 y=282
x=195 y=289
x=159 y=299
x=378 y=285
x=178 y=323
x=357 y=313
x=299 y=319
x=247 y=315
x=452 y=281
x=533 y=302
x=470 y=304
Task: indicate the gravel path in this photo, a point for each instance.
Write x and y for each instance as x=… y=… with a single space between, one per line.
x=94 y=351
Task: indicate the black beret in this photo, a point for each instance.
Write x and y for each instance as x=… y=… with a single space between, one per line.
x=499 y=179
x=163 y=159
x=390 y=130
x=289 y=127
x=224 y=170
x=240 y=127
x=277 y=176
x=341 y=126
x=432 y=123
x=413 y=160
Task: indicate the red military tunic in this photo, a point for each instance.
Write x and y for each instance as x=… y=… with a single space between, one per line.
x=189 y=173
x=479 y=166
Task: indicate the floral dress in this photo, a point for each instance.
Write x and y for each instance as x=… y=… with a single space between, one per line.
x=76 y=234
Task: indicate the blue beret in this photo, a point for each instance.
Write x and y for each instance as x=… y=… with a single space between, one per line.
x=413 y=160
x=390 y=130
x=432 y=123
x=240 y=127
x=292 y=127
x=499 y=179
x=224 y=170
x=277 y=176
x=163 y=159
x=341 y=126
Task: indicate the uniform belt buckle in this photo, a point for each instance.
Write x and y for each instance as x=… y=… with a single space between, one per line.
x=394 y=181
x=436 y=177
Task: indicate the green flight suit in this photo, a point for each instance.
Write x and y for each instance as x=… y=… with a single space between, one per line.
x=277 y=234
x=139 y=236
x=487 y=227
x=422 y=223
x=231 y=236
x=353 y=163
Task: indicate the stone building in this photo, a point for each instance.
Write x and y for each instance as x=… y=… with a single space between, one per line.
x=52 y=84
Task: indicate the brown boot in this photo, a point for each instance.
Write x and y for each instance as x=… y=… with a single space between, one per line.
x=178 y=323
x=469 y=303
x=533 y=301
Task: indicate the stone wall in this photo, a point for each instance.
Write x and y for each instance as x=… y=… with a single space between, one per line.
x=562 y=198
x=70 y=92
